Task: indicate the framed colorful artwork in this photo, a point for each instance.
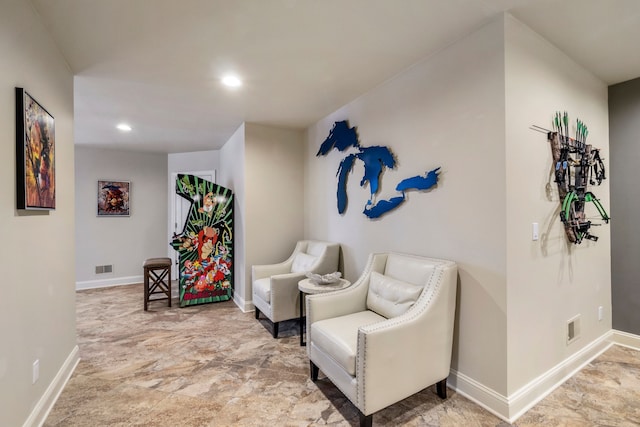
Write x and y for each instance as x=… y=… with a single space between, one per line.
x=35 y=154
x=113 y=198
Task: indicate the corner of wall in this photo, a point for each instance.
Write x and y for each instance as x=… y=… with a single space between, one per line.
x=510 y=408
x=47 y=401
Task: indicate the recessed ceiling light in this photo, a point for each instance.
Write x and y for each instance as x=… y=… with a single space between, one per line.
x=124 y=127
x=231 y=81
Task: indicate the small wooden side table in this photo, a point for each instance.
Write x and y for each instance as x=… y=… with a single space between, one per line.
x=306 y=287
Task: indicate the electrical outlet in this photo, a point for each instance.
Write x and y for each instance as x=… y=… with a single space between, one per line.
x=535 y=235
x=36 y=371
x=600 y=313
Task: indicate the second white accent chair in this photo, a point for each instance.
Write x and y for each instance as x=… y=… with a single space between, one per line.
x=387 y=336
x=275 y=286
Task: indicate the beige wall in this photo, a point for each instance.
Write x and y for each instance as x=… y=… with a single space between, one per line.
x=274 y=194
x=446 y=111
x=193 y=161
x=469 y=109
x=263 y=165
x=232 y=175
x=549 y=281
x=37 y=307
x=100 y=240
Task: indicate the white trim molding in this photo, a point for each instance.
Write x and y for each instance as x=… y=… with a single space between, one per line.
x=510 y=408
x=245 y=306
x=533 y=392
x=105 y=283
x=625 y=339
x=480 y=394
x=51 y=394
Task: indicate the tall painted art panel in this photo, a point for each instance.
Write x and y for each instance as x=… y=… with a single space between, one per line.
x=206 y=242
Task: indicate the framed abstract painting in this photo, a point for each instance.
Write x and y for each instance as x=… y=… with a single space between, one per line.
x=35 y=154
x=113 y=198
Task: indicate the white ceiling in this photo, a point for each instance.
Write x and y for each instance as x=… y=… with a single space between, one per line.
x=156 y=64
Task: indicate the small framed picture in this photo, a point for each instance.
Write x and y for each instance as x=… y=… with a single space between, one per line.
x=113 y=198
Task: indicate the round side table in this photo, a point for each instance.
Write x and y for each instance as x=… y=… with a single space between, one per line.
x=306 y=287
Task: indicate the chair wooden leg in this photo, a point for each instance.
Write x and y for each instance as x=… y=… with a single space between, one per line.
x=314 y=371
x=275 y=329
x=366 y=420
x=441 y=388
x=146 y=289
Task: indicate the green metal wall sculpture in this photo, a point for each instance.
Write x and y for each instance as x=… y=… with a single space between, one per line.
x=206 y=242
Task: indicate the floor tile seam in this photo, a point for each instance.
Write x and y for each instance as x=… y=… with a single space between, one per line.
x=303 y=378
x=60 y=422
x=304 y=366
x=256 y=374
x=631 y=366
x=204 y=400
x=172 y=394
x=148 y=411
x=98 y=401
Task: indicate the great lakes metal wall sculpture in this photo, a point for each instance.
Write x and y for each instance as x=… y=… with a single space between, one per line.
x=576 y=165
x=375 y=159
x=206 y=242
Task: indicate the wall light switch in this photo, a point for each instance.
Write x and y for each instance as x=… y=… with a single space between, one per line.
x=534 y=231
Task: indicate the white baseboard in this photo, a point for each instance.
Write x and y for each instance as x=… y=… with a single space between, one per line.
x=245 y=306
x=104 y=283
x=480 y=394
x=625 y=339
x=510 y=408
x=51 y=394
x=533 y=392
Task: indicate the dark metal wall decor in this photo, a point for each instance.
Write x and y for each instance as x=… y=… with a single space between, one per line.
x=206 y=242
x=576 y=166
x=375 y=160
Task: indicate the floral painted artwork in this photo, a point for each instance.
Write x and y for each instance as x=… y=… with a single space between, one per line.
x=206 y=242
x=113 y=198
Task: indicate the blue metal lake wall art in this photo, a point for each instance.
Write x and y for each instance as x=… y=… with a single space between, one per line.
x=375 y=158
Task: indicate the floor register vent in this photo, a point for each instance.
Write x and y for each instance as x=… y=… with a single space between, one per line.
x=104 y=269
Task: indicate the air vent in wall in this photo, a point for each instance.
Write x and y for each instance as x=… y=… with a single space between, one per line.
x=104 y=269
x=573 y=329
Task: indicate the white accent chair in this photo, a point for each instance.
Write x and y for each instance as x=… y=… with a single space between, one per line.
x=275 y=287
x=387 y=336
